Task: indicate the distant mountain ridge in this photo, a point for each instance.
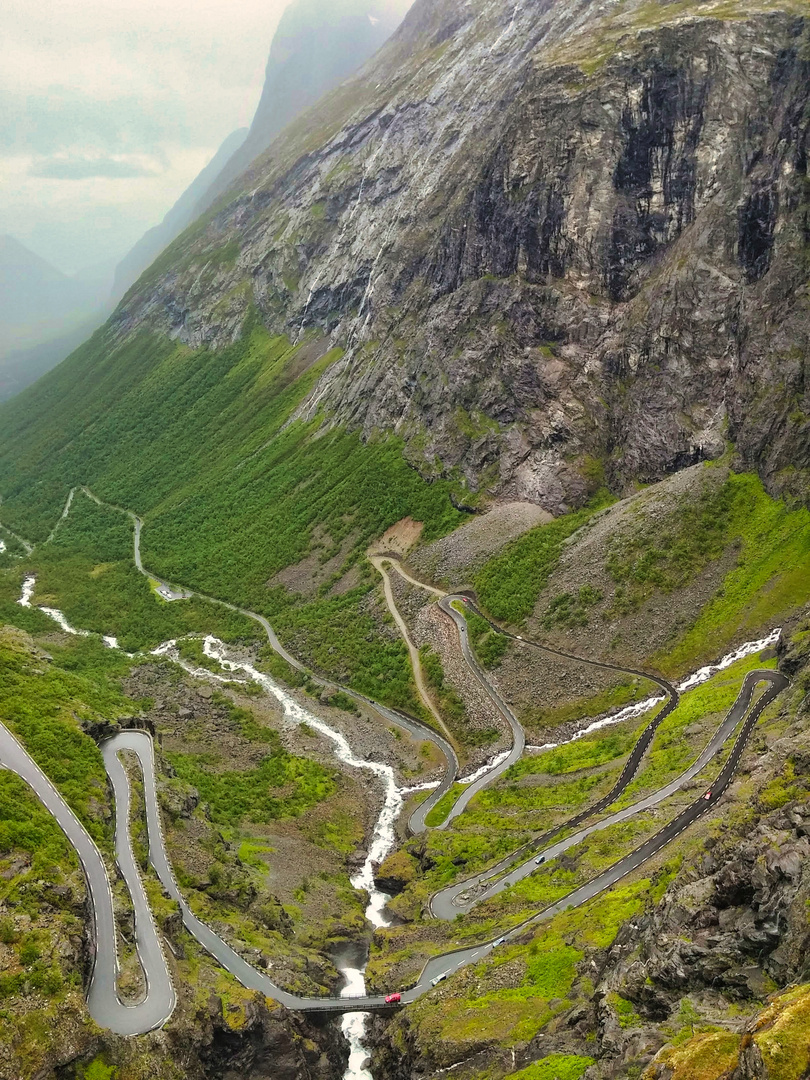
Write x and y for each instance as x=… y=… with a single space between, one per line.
x=584 y=192
x=38 y=303
x=144 y=253
x=318 y=44
x=31 y=291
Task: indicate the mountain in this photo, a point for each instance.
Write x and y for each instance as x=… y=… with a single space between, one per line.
x=536 y=256
x=44 y=314
x=36 y=299
x=318 y=43
x=21 y=367
x=316 y=46
x=48 y=315
x=585 y=196
x=144 y=253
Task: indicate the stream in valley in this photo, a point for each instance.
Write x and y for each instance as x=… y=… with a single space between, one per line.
x=351 y=960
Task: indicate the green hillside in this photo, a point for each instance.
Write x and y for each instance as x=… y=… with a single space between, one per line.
x=200 y=445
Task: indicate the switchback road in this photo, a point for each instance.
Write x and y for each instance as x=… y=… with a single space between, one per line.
x=103 y=999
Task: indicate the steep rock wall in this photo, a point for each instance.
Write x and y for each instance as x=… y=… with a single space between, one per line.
x=544 y=234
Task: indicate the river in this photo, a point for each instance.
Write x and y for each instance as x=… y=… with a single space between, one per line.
x=351 y=961
x=350 y=964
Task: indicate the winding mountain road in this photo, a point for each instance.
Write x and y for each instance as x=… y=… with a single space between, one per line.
x=414 y=727
x=103 y=1000
x=518 y=734
x=462 y=896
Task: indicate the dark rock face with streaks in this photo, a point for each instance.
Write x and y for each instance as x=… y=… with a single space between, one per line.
x=272 y=1045
x=544 y=235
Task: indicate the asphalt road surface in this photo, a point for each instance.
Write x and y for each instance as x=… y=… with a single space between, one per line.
x=414 y=727
x=518 y=735
x=464 y=895
x=102 y=997
x=103 y=1002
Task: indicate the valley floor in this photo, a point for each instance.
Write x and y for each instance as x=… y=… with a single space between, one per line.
x=245 y=730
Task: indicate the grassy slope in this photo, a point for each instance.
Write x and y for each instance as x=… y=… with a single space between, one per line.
x=44 y=698
x=196 y=443
x=88 y=572
x=542 y=977
x=41 y=886
x=537 y=793
x=769 y=543
x=771 y=579
x=522 y=989
x=44 y=705
x=510 y=583
x=779 y=1033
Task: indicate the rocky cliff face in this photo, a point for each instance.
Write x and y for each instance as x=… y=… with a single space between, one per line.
x=544 y=234
x=318 y=44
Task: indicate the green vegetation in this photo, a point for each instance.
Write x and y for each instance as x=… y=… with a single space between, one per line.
x=245 y=722
x=650 y=559
x=341 y=636
x=783 y=788
x=782 y=1035
x=627 y=692
x=542 y=976
x=510 y=584
x=97 y=1070
x=575 y=756
x=443 y=807
x=196 y=443
x=88 y=572
x=45 y=703
x=554 y=1067
x=673 y=750
x=340 y=700
x=277 y=668
x=449 y=703
x=490 y=646
x=26 y=826
x=624 y=1009
x=705 y=1057
x=770 y=581
x=571 y=609
x=280 y=786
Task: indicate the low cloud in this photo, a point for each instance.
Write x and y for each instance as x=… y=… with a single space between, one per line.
x=123 y=167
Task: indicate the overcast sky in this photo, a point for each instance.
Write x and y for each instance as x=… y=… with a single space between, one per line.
x=110 y=108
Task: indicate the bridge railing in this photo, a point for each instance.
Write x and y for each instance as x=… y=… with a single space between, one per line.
x=351 y=1003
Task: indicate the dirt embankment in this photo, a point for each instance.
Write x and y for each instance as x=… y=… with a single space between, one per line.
x=453 y=560
x=585 y=611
